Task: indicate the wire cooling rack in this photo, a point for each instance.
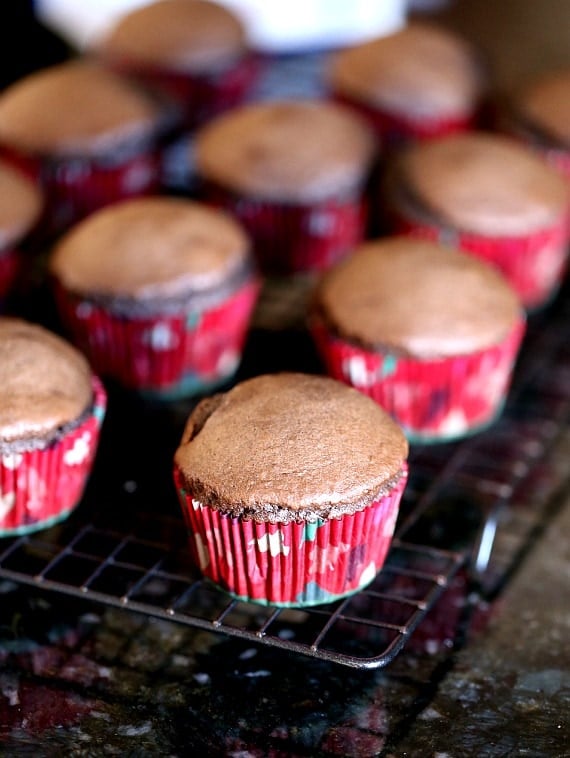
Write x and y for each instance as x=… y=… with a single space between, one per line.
x=470 y=510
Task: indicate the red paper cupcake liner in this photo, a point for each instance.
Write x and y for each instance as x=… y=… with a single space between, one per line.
x=534 y=264
x=40 y=487
x=74 y=187
x=395 y=129
x=292 y=239
x=294 y=564
x=433 y=400
x=10 y=261
x=169 y=354
x=200 y=97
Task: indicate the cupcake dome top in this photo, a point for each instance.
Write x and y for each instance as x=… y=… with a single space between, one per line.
x=417 y=298
x=545 y=105
x=75 y=107
x=20 y=205
x=46 y=382
x=421 y=71
x=151 y=248
x=176 y=34
x=290 y=442
x=483 y=183
x=288 y=151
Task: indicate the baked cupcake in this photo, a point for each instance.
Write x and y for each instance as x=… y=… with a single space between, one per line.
x=88 y=136
x=490 y=196
x=294 y=172
x=430 y=333
x=196 y=53
x=420 y=82
x=51 y=410
x=20 y=208
x=290 y=486
x=539 y=114
x=158 y=293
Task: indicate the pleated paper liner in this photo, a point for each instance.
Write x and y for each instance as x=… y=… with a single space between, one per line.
x=168 y=355
x=39 y=487
x=397 y=129
x=290 y=238
x=433 y=400
x=534 y=264
x=291 y=564
x=200 y=96
x=75 y=186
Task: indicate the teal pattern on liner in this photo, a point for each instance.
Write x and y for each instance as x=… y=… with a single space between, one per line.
x=389 y=365
x=310 y=531
x=99 y=413
x=192 y=320
x=313 y=594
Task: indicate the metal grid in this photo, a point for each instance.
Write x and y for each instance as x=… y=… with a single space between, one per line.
x=129 y=571
x=460 y=499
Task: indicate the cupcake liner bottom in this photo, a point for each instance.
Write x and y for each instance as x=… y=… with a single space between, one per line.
x=293 y=564
x=41 y=487
x=36 y=526
x=190 y=385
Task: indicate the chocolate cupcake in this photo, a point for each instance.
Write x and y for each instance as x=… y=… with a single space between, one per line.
x=421 y=82
x=20 y=207
x=51 y=409
x=158 y=293
x=294 y=172
x=430 y=333
x=490 y=196
x=290 y=486
x=539 y=114
x=87 y=135
x=196 y=53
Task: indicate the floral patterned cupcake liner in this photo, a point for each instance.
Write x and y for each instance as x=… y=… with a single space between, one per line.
x=290 y=238
x=397 y=130
x=75 y=186
x=534 y=264
x=291 y=564
x=167 y=355
x=433 y=400
x=41 y=486
x=200 y=97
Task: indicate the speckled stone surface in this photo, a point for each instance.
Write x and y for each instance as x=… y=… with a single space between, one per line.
x=509 y=690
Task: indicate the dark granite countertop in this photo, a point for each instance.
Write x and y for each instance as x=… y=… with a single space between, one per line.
x=486 y=674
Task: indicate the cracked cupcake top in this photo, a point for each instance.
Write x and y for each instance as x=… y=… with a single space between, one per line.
x=286 y=446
